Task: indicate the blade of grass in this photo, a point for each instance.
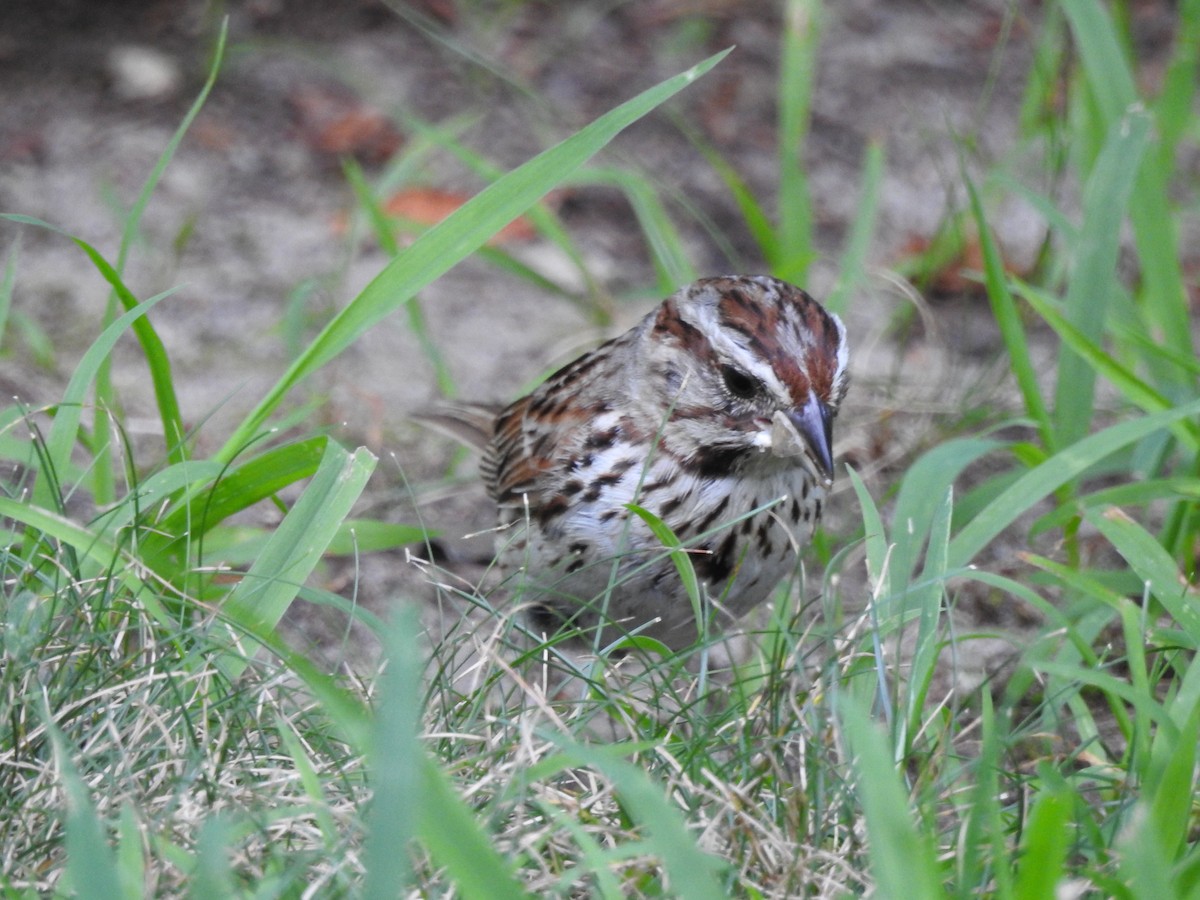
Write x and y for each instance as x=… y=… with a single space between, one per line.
x=679 y=558
x=265 y=592
x=105 y=556
x=756 y=219
x=394 y=762
x=455 y=238
x=852 y=268
x=1170 y=783
x=875 y=535
x=667 y=250
x=234 y=489
x=1041 y=481
x=157 y=361
x=384 y=231
x=131 y=860
x=902 y=858
x=926 y=480
x=1105 y=202
x=449 y=831
x=152 y=346
x=546 y=222
x=797 y=68
x=691 y=871
x=212 y=875
x=1012 y=332
x=1126 y=381
x=1111 y=82
x=314 y=787
x=1102 y=56
x=6 y=291
x=370 y=536
x=984 y=844
x=65 y=428
x=1144 y=865
x=1044 y=845
x=91 y=867
x=595 y=859
x=926 y=597
x=1153 y=565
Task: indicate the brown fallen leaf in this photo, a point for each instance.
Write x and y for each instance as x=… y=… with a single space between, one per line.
x=427 y=206
x=953 y=275
x=334 y=123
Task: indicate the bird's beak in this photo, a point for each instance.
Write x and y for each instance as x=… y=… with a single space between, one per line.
x=807 y=433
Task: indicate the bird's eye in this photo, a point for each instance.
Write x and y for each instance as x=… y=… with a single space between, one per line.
x=738 y=383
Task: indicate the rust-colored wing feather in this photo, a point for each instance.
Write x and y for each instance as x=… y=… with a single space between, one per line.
x=512 y=465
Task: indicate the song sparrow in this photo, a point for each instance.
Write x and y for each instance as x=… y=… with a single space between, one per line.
x=714 y=414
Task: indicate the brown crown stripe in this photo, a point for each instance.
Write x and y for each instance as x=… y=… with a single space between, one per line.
x=670 y=322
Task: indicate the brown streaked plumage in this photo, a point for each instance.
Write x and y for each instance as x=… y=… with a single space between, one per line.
x=714 y=413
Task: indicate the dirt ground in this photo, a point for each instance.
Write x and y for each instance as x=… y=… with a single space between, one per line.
x=249 y=220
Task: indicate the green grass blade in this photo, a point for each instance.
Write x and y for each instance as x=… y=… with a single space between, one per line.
x=925 y=482
x=395 y=762
x=902 y=858
x=1064 y=466
x=164 y=486
x=1043 y=84
x=384 y=231
x=1144 y=865
x=1111 y=82
x=131 y=861
x=157 y=362
x=690 y=870
x=65 y=428
x=546 y=222
x=1104 y=62
x=667 y=250
x=1044 y=845
x=91 y=866
x=926 y=598
x=680 y=558
x=1008 y=319
x=853 y=266
x=1105 y=201
x=797 y=69
x=212 y=501
x=875 y=534
x=1170 y=783
x=371 y=536
x=104 y=479
x=1115 y=688
x=414 y=797
x=984 y=844
x=448 y=830
x=314 y=787
x=152 y=346
x=213 y=875
x=1154 y=566
x=1173 y=107
x=263 y=595
x=1126 y=381
x=1163 y=289
x=757 y=222
x=455 y=238
x=6 y=291
x=104 y=555
x=129 y=233
x=666 y=246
